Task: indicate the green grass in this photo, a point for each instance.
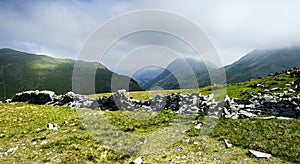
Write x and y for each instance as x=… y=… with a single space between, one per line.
x=94 y=136
x=239 y=90
x=23 y=124
x=280 y=138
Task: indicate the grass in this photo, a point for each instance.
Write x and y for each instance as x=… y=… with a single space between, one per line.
x=280 y=138
x=24 y=124
x=94 y=136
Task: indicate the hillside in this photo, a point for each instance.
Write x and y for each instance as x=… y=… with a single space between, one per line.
x=24 y=71
x=180 y=72
x=260 y=63
x=257 y=63
x=145 y=75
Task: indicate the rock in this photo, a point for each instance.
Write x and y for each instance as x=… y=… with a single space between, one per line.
x=34 y=97
x=288 y=113
x=44 y=142
x=274 y=89
x=12 y=150
x=246 y=114
x=172 y=161
x=228 y=145
x=198 y=126
x=266 y=118
x=291 y=91
x=137 y=161
x=2 y=135
x=236 y=116
x=258 y=154
x=284 y=118
x=8 y=101
x=50 y=126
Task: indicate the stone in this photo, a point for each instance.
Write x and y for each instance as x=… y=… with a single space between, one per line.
x=172 y=161
x=247 y=114
x=50 y=126
x=258 y=154
x=284 y=118
x=236 y=116
x=138 y=160
x=8 y=101
x=12 y=150
x=198 y=126
x=228 y=145
x=44 y=142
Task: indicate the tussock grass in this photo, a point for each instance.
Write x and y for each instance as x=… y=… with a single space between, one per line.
x=25 y=126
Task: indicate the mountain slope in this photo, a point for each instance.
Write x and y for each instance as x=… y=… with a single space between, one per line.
x=180 y=74
x=25 y=71
x=260 y=63
x=257 y=63
x=147 y=74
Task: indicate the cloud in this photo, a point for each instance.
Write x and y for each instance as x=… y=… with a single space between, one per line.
x=59 y=28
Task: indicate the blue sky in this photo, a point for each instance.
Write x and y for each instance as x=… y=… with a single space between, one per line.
x=60 y=28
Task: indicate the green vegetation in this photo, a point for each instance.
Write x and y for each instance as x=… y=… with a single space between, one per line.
x=280 y=138
x=24 y=71
x=25 y=126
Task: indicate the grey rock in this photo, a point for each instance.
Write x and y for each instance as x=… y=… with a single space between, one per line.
x=227 y=144
x=138 y=160
x=258 y=154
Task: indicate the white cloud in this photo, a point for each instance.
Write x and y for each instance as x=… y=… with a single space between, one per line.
x=59 y=28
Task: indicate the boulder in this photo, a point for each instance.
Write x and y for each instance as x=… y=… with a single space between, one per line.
x=34 y=97
x=258 y=154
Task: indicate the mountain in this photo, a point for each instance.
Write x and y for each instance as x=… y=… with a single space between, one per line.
x=181 y=73
x=260 y=63
x=145 y=75
x=24 y=71
x=257 y=63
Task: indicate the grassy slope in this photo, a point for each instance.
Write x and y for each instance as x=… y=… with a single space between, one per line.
x=24 y=71
x=22 y=124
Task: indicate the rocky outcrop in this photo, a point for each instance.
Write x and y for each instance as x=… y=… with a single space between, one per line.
x=279 y=105
x=279 y=102
x=34 y=97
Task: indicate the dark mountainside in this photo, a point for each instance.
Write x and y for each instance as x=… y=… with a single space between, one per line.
x=260 y=63
x=257 y=63
x=145 y=75
x=24 y=71
x=183 y=69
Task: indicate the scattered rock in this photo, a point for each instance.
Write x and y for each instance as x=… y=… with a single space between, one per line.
x=52 y=126
x=286 y=104
x=44 y=142
x=284 y=118
x=228 y=145
x=33 y=143
x=12 y=150
x=258 y=154
x=137 y=161
x=198 y=126
x=266 y=118
x=172 y=161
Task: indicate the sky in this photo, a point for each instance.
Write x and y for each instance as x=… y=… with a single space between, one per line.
x=61 y=28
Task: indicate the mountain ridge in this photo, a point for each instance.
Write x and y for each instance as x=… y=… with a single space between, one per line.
x=26 y=71
x=256 y=63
